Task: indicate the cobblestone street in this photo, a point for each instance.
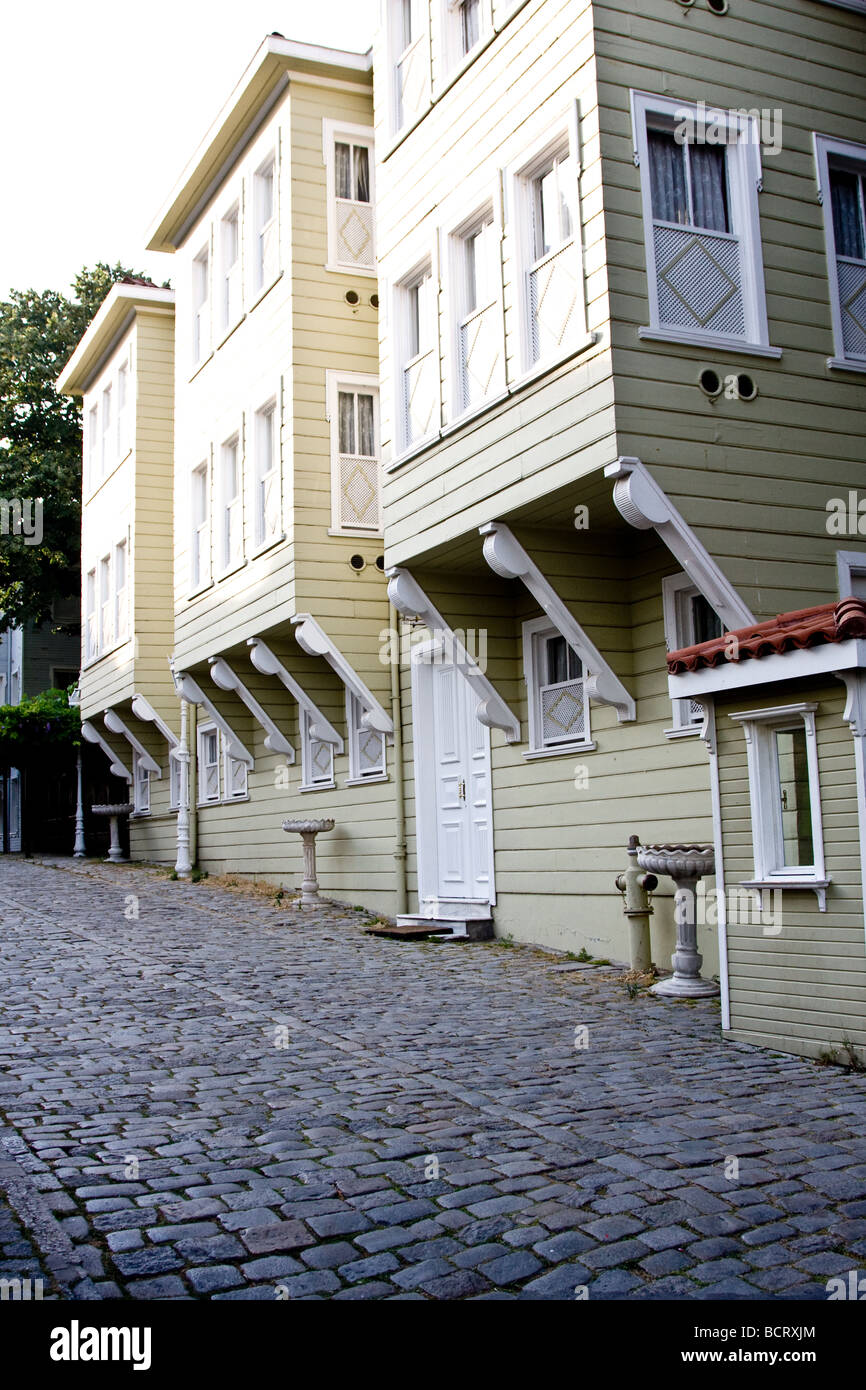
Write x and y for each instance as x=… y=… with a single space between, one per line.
x=221 y=1098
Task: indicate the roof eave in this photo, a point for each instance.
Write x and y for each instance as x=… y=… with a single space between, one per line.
x=273 y=64
x=119 y=307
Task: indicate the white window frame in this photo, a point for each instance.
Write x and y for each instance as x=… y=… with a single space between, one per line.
x=536 y=632
x=231 y=509
x=677 y=590
x=106 y=413
x=228 y=764
x=106 y=603
x=759 y=727
x=124 y=409
x=200 y=288
x=266 y=425
x=356 y=731
x=121 y=591
x=174 y=775
x=399 y=50
x=93 y=446
x=334 y=133
x=423 y=272
x=91 y=614
x=460 y=317
x=353 y=383
x=850 y=565
x=744 y=176
x=200 y=528
x=309 y=783
x=206 y=731
x=826 y=148
x=265 y=229
x=455 y=54
x=231 y=272
x=560 y=142
x=140 y=786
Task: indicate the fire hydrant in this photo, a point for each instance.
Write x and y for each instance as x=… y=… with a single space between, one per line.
x=635 y=887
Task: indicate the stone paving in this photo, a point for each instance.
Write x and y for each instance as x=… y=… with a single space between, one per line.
x=206 y=1095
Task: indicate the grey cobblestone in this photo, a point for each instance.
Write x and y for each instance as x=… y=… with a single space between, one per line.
x=299 y=1172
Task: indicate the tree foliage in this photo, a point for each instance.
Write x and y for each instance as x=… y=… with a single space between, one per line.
x=40 y=438
x=38 y=728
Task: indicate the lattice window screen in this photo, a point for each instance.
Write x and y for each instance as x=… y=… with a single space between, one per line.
x=852 y=305
x=699 y=280
x=481 y=353
x=554 y=286
x=562 y=711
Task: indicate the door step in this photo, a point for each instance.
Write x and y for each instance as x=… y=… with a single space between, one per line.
x=410 y=928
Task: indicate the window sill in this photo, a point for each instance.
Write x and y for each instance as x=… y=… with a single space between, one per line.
x=227 y=332
x=818 y=886
x=197 y=593
x=364 y=781
x=318 y=787
x=550 y=363
x=473 y=412
x=230 y=570
x=369 y=272
x=265 y=290
x=706 y=341
x=843 y=364
x=199 y=366
x=356 y=535
x=223 y=801
x=691 y=732
x=265 y=547
x=109 y=651
x=139 y=815
x=413 y=451
x=565 y=749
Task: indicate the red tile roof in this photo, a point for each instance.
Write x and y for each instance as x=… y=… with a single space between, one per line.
x=806 y=627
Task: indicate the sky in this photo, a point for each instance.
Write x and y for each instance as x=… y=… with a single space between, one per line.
x=102 y=103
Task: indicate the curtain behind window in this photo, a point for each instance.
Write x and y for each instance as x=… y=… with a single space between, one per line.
x=847 y=218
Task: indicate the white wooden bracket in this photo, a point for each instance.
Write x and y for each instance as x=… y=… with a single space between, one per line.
x=143 y=710
x=316 y=642
x=114 y=722
x=269 y=664
x=94 y=736
x=223 y=676
x=190 y=690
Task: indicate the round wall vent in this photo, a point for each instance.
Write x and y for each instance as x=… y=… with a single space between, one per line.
x=374 y=301
x=710 y=382
x=718 y=6
x=357 y=563
x=352 y=297
x=747 y=387
x=380 y=562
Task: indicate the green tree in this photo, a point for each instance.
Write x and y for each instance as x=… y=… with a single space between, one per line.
x=40 y=438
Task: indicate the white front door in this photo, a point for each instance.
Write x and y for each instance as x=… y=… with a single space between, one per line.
x=455 y=829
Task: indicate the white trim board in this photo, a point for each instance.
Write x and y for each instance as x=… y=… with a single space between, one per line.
x=766 y=670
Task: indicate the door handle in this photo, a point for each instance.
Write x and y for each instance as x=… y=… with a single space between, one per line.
x=462 y=790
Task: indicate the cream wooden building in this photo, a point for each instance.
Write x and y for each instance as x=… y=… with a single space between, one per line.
x=123 y=369
x=622 y=268
x=280 y=602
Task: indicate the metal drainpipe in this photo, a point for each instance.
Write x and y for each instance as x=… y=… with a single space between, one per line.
x=400 y=895
x=193 y=784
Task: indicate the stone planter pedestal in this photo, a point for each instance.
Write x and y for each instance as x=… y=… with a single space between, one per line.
x=308 y=830
x=114 y=811
x=685 y=864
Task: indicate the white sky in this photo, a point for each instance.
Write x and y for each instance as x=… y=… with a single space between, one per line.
x=102 y=102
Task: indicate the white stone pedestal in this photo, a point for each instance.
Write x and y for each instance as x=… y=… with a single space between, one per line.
x=308 y=830
x=685 y=864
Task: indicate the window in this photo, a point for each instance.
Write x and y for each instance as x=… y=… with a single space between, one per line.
x=419 y=369
x=200 y=540
x=842 y=181
x=477 y=283
x=174 y=774
x=123 y=435
x=353 y=409
x=470 y=24
x=267 y=475
x=141 y=785
x=463 y=24
x=366 y=746
x=230 y=295
x=121 y=592
x=851 y=568
x=91 y=631
x=546 y=199
x=92 y=445
x=409 y=48
x=107 y=440
x=688 y=619
x=787 y=829
x=351 y=214
x=200 y=294
x=208 y=764
x=106 y=616
x=317 y=757
x=265 y=248
x=234 y=775
x=700 y=174
x=232 y=538
x=558 y=708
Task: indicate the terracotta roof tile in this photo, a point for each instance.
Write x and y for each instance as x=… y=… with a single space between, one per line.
x=806 y=627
